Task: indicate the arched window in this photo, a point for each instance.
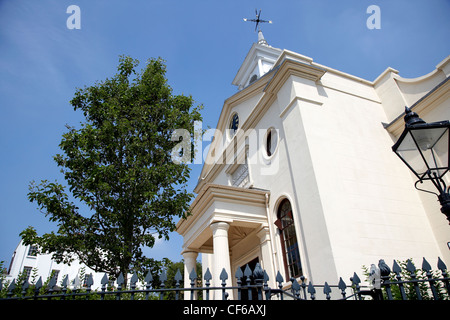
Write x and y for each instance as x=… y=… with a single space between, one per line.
x=289 y=243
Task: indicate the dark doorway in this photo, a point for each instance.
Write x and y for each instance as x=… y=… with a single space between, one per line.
x=254 y=291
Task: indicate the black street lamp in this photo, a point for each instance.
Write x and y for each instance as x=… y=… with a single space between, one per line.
x=424 y=148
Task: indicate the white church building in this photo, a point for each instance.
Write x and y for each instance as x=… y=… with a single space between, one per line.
x=301 y=177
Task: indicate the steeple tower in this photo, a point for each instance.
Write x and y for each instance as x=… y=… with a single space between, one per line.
x=259 y=60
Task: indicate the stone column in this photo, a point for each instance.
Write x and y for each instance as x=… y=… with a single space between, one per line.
x=190 y=262
x=221 y=257
x=267 y=261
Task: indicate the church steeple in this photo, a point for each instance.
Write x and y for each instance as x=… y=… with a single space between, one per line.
x=259 y=60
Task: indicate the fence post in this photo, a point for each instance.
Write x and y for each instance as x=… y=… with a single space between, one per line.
x=193 y=278
x=207 y=277
x=397 y=270
x=177 y=278
x=295 y=287
x=104 y=283
x=162 y=278
x=355 y=283
x=64 y=286
x=412 y=270
x=342 y=286
x=238 y=275
x=426 y=266
x=89 y=283
x=441 y=266
x=25 y=286
x=258 y=273
x=247 y=274
x=327 y=290
x=266 y=285
x=303 y=285
x=51 y=285
x=37 y=288
x=120 y=282
x=312 y=291
x=134 y=279
x=75 y=285
x=385 y=272
x=224 y=278
x=280 y=281
x=148 y=279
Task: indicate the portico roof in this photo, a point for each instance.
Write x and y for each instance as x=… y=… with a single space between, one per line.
x=244 y=209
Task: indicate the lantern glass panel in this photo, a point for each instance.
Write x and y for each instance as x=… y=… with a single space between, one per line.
x=440 y=153
x=424 y=149
x=407 y=150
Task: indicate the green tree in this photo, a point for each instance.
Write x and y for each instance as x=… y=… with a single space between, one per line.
x=119 y=164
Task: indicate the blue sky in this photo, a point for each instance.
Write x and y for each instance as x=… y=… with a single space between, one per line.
x=203 y=42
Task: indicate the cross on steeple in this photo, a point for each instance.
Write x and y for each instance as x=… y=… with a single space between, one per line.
x=257 y=20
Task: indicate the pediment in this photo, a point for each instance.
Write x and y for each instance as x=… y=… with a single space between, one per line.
x=243 y=209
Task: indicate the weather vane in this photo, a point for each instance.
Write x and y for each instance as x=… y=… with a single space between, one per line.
x=257 y=20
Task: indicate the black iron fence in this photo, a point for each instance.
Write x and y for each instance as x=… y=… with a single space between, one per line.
x=403 y=282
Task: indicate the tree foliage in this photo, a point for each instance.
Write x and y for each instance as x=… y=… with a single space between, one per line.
x=118 y=163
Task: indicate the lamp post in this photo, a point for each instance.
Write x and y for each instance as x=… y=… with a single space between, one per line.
x=424 y=148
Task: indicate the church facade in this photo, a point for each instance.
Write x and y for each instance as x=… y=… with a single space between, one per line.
x=301 y=178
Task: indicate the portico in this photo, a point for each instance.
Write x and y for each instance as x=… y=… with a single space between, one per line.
x=228 y=225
